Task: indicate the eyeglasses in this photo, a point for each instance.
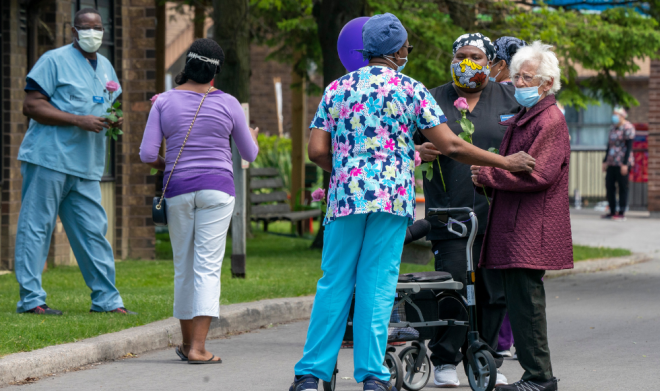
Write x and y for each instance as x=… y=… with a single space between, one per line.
x=410 y=48
x=84 y=28
x=526 y=78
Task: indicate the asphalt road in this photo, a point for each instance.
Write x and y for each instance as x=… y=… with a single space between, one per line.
x=603 y=332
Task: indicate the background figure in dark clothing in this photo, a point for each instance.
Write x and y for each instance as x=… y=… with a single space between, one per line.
x=489 y=103
x=617 y=162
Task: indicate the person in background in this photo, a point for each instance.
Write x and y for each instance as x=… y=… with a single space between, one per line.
x=200 y=194
x=617 y=162
x=529 y=225
x=362 y=133
x=505 y=49
x=62 y=160
x=489 y=104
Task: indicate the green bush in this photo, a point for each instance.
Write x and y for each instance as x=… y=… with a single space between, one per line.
x=275 y=152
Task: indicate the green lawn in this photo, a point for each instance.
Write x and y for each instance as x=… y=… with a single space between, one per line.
x=582 y=253
x=277 y=266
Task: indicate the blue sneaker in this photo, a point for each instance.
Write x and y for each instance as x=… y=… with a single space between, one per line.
x=305 y=383
x=372 y=383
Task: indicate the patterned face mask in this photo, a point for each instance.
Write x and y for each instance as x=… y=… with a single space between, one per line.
x=469 y=74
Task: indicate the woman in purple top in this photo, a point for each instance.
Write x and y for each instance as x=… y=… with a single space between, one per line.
x=200 y=193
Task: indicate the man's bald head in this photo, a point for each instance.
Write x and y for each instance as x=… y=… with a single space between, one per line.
x=87 y=15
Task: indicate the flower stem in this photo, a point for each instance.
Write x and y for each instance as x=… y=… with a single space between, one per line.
x=486 y=194
x=442 y=178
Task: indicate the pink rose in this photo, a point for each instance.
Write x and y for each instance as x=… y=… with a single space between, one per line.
x=153 y=98
x=111 y=86
x=418 y=159
x=318 y=195
x=461 y=104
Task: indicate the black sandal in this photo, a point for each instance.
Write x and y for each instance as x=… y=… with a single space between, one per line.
x=179 y=353
x=209 y=361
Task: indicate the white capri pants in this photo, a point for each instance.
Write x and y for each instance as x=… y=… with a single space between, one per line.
x=198 y=224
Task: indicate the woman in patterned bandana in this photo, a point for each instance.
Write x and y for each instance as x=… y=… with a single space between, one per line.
x=489 y=104
x=471 y=65
x=505 y=49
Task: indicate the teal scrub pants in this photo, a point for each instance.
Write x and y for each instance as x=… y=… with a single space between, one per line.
x=361 y=253
x=78 y=202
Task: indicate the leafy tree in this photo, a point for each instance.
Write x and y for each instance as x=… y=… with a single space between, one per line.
x=607 y=43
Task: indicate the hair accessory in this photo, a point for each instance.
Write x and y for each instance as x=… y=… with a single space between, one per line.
x=205 y=59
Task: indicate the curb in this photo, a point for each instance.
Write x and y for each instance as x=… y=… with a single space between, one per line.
x=598 y=265
x=234 y=318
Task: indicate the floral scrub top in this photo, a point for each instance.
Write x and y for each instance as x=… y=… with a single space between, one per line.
x=616 y=147
x=372 y=114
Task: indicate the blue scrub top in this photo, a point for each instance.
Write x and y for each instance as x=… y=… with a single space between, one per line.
x=71 y=83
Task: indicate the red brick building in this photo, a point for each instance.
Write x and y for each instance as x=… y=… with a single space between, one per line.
x=30 y=28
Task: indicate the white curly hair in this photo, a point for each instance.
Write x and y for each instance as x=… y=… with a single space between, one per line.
x=541 y=54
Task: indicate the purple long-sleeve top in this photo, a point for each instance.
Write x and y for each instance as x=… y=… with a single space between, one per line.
x=206 y=160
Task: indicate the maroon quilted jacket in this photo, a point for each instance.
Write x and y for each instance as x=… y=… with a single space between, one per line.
x=529 y=222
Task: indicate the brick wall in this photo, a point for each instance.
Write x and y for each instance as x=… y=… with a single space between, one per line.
x=639 y=88
x=14 y=63
x=263 y=107
x=654 y=139
x=135 y=42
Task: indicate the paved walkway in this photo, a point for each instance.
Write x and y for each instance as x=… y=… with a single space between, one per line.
x=639 y=233
x=603 y=331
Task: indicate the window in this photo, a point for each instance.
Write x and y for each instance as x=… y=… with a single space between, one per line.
x=106 y=9
x=589 y=127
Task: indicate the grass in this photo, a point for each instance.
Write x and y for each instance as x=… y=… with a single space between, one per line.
x=582 y=253
x=277 y=266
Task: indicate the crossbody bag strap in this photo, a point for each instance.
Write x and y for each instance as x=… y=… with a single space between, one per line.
x=181 y=150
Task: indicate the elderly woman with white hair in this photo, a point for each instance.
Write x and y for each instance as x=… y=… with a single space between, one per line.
x=529 y=228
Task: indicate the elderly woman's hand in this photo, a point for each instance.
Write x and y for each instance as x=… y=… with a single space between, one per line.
x=520 y=161
x=475 y=175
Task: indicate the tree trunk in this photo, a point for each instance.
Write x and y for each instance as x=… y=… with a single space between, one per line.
x=233 y=35
x=331 y=16
x=200 y=21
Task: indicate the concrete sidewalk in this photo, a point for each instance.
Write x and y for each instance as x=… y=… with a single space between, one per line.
x=639 y=233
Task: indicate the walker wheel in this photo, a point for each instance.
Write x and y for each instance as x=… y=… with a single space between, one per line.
x=330 y=386
x=414 y=380
x=484 y=376
x=393 y=363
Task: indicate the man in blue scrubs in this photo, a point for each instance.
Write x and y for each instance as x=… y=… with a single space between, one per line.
x=63 y=157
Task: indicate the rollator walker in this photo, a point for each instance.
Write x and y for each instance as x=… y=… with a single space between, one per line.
x=416 y=315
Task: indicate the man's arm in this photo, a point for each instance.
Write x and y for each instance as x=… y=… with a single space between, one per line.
x=37 y=107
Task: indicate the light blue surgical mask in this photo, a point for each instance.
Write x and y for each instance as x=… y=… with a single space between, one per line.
x=527 y=96
x=494 y=79
x=399 y=67
x=615 y=119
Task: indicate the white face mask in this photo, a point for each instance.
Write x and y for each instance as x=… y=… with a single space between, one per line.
x=90 y=40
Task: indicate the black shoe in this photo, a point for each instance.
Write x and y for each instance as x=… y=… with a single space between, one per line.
x=528 y=385
x=374 y=384
x=120 y=310
x=305 y=383
x=44 y=310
